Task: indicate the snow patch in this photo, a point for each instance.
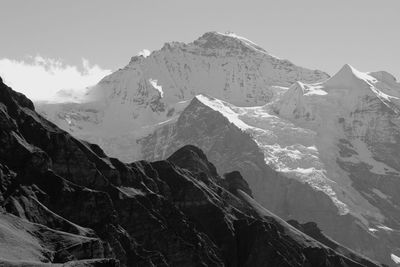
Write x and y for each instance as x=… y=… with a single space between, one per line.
x=156 y=86
x=245 y=41
x=365 y=155
x=395 y=258
x=225 y=109
x=349 y=77
x=144 y=53
x=383 y=227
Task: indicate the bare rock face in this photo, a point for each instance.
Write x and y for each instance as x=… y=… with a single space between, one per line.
x=63 y=201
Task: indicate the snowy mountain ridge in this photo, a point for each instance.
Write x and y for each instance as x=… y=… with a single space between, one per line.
x=222 y=65
x=132 y=101
x=331 y=142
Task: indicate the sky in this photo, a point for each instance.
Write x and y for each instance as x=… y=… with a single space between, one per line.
x=47 y=45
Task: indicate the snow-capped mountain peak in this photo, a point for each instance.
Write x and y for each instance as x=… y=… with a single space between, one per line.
x=347 y=91
x=380 y=83
x=349 y=77
x=228 y=42
x=225 y=66
x=354 y=111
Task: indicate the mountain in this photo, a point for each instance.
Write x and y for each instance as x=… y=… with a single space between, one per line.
x=286 y=171
x=224 y=65
x=129 y=103
x=310 y=147
x=324 y=152
x=65 y=203
x=355 y=119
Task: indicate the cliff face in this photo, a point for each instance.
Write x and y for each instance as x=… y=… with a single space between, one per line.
x=64 y=201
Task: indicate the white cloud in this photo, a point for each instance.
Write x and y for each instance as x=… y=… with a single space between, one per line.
x=144 y=53
x=47 y=79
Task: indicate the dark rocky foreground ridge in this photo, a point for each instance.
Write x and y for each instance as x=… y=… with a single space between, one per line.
x=63 y=201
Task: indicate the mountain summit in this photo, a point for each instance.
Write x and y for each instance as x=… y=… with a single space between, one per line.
x=347 y=76
x=228 y=42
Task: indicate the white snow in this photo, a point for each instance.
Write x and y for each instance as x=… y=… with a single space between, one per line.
x=395 y=258
x=224 y=109
x=365 y=155
x=156 y=86
x=383 y=227
x=246 y=41
x=145 y=53
x=349 y=77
